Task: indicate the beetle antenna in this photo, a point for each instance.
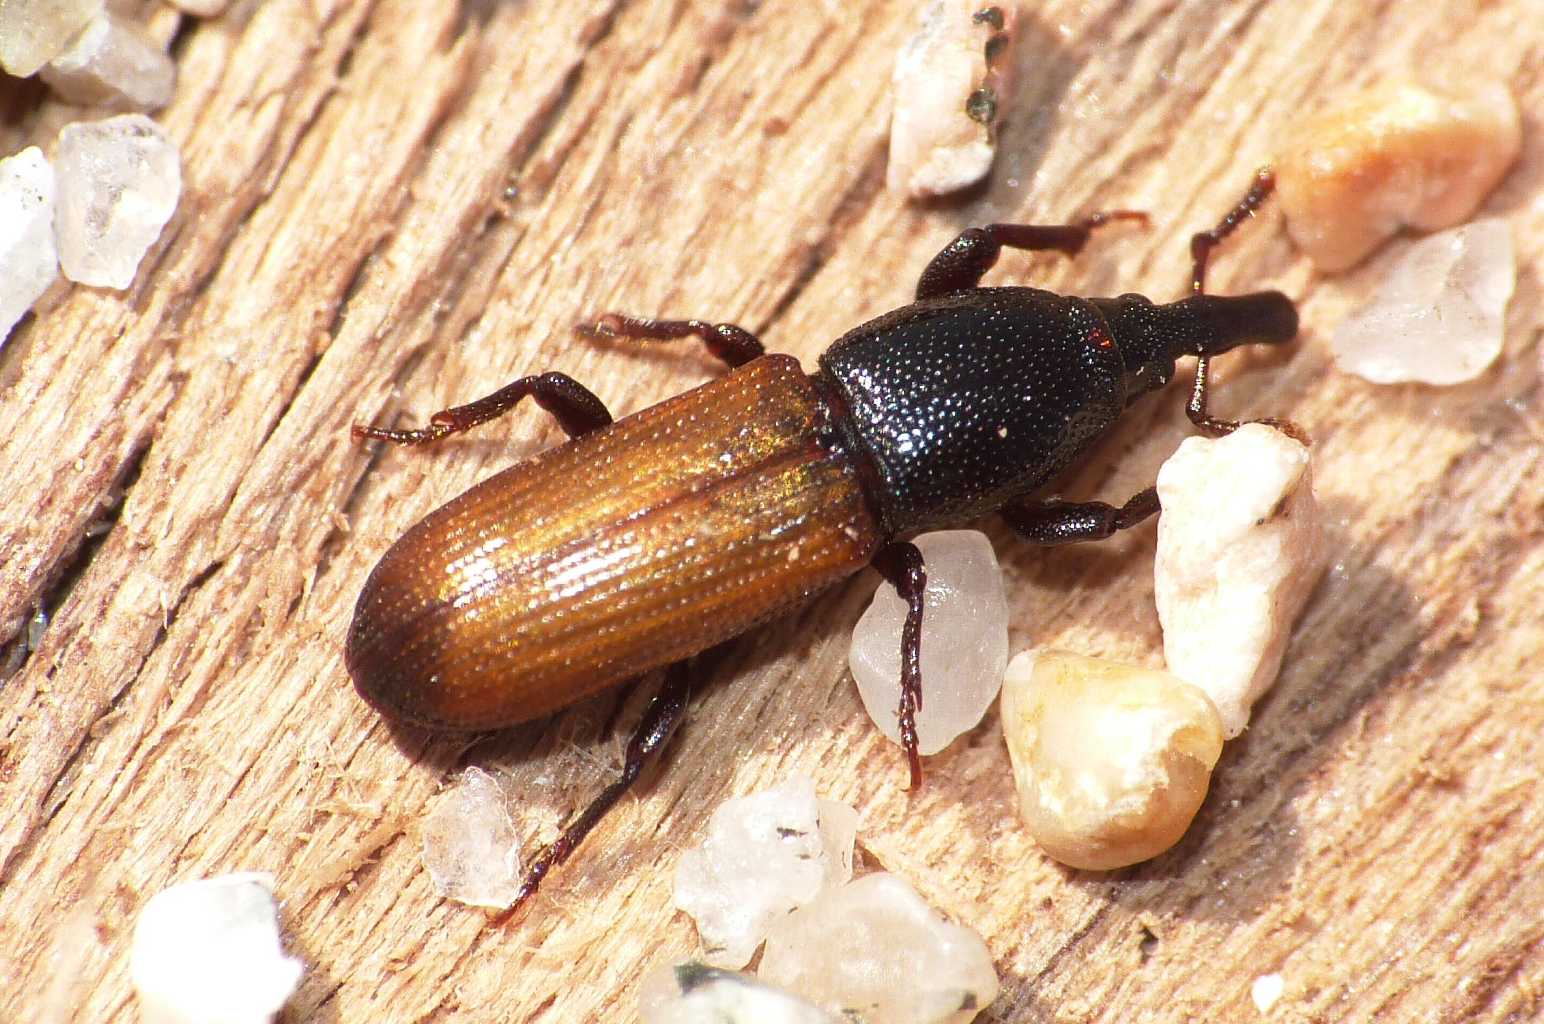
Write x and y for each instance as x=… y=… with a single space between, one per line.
x=1203 y=242
x=1269 y=314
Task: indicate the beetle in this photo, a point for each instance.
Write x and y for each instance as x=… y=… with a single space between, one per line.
x=641 y=542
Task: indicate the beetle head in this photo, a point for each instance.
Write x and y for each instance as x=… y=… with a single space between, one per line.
x=1151 y=337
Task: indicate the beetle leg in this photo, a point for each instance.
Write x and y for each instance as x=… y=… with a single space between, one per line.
x=901 y=565
x=1067 y=522
x=576 y=409
x=960 y=264
x=730 y=343
x=1201 y=245
x=658 y=724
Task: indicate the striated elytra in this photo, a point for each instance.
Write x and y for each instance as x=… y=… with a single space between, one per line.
x=628 y=548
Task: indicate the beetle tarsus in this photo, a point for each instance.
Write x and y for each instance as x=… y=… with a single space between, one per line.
x=732 y=344
x=962 y=263
x=902 y=566
x=574 y=406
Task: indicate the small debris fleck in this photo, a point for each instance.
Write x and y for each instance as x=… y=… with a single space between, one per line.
x=1266 y=990
x=992 y=16
x=982 y=106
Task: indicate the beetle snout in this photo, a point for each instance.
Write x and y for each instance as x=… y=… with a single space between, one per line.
x=1259 y=318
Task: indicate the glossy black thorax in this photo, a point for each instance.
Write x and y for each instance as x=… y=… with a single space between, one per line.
x=971 y=400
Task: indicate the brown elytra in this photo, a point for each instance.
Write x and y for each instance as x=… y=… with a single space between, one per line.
x=629 y=548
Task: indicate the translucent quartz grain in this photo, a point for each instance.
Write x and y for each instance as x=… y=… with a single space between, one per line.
x=1111 y=761
x=875 y=950
x=697 y=994
x=964 y=641
x=1239 y=551
x=209 y=951
x=1439 y=315
x=34 y=32
x=113 y=63
x=119 y=182
x=29 y=262
x=764 y=855
x=1399 y=154
x=469 y=843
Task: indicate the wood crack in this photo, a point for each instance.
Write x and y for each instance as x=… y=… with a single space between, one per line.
x=57 y=792
x=51 y=586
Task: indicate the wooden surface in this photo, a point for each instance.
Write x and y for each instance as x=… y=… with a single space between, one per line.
x=397 y=205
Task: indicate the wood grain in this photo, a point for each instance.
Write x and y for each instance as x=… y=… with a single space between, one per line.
x=393 y=206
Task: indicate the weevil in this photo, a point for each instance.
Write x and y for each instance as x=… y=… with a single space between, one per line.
x=642 y=542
